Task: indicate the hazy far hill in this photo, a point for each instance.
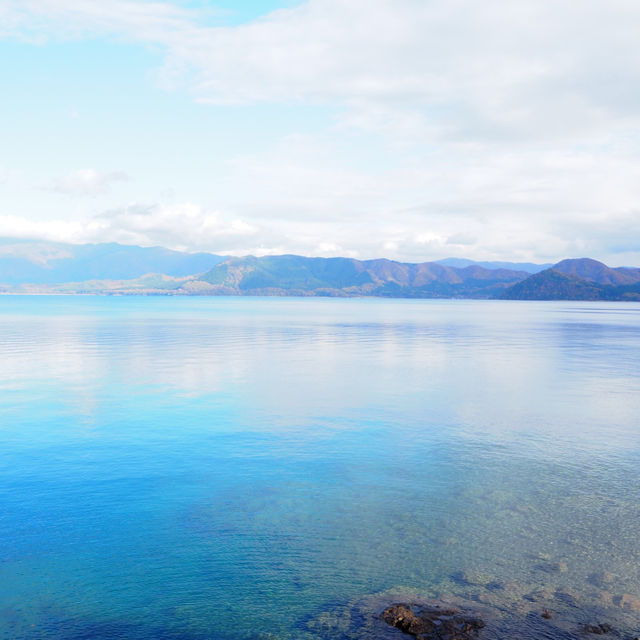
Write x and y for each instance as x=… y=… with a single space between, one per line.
x=529 y=267
x=578 y=279
x=39 y=262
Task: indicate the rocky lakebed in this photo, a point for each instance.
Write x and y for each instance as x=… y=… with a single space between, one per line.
x=486 y=609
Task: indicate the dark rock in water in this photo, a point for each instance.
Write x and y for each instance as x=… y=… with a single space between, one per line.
x=476 y=578
x=553 y=567
x=598 y=629
x=432 y=622
x=403 y=618
x=441 y=615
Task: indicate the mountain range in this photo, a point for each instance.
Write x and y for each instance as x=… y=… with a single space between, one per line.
x=45 y=267
x=298 y=275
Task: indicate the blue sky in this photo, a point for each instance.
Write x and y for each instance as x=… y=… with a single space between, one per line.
x=408 y=129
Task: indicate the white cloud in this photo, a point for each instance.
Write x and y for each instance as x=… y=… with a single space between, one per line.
x=440 y=70
x=462 y=239
x=87 y=182
x=462 y=69
x=54 y=230
x=144 y=21
x=509 y=129
x=181 y=227
x=403 y=234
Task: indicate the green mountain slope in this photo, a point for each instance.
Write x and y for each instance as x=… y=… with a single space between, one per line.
x=299 y=275
x=595 y=282
x=598 y=272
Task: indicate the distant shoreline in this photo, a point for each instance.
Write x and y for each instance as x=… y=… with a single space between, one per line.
x=113 y=269
x=136 y=294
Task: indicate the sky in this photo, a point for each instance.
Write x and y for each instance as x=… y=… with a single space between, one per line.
x=408 y=129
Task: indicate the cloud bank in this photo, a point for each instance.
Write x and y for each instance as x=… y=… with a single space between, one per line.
x=505 y=129
x=527 y=69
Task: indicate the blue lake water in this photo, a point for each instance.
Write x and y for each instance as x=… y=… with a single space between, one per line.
x=226 y=468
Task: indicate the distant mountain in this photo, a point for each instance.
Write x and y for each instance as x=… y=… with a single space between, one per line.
x=578 y=279
x=529 y=267
x=594 y=271
x=299 y=275
x=47 y=267
x=36 y=262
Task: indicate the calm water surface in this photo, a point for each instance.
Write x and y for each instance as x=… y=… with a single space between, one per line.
x=232 y=468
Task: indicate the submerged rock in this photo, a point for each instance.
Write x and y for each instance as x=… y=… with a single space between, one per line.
x=627 y=601
x=553 y=567
x=598 y=629
x=476 y=578
x=601 y=578
x=433 y=622
x=440 y=615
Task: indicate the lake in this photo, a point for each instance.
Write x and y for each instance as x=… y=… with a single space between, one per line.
x=249 y=468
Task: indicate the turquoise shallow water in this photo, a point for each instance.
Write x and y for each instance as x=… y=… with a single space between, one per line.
x=232 y=467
